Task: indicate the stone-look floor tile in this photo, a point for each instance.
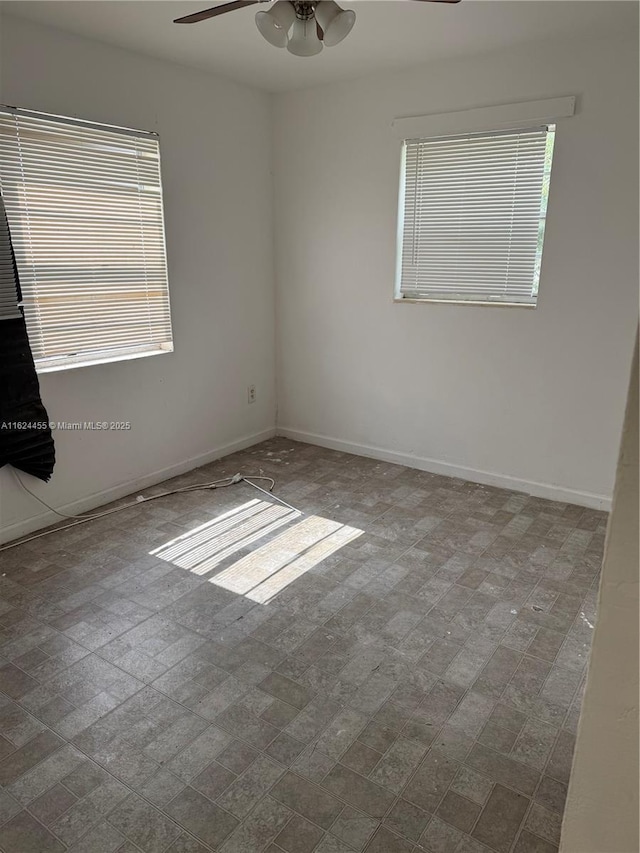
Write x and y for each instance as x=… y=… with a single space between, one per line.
x=310 y=801
x=237 y=756
x=440 y=702
x=150 y=830
x=125 y=762
x=331 y=844
x=496 y=737
x=420 y=731
x=437 y=657
x=312 y=764
x=501 y=818
x=440 y=837
x=472 y=713
x=361 y=758
x=545 y=823
x=241 y=722
x=535 y=743
x=184 y=843
x=508 y=718
x=32 y=753
x=213 y=780
x=453 y=742
x=358 y=792
x=551 y=794
x=85 y=778
x=391 y=716
x=77 y=820
x=529 y=843
x=458 y=811
x=201 y=817
x=286 y=690
x=40 y=778
x=50 y=805
x=377 y=737
x=354 y=828
x=502 y=769
x=101 y=838
x=6 y=747
x=385 y=841
x=431 y=780
x=519 y=635
x=498 y=672
x=398 y=763
x=23 y=834
x=299 y=836
x=256 y=831
x=279 y=714
x=341 y=732
x=546 y=644
x=14 y=682
x=474 y=786
x=172 y=740
x=407 y=820
x=200 y=753
x=241 y=796
x=265 y=821
x=313 y=719
x=8 y=807
x=470 y=845
x=162 y=787
x=559 y=766
x=285 y=749
x=440 y=655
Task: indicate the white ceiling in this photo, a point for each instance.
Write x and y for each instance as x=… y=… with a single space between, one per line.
x=387 y=34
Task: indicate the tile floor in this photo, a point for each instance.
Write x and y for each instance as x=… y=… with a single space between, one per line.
x=396 y=668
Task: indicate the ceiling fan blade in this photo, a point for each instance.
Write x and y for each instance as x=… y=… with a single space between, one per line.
x=216 y=10
x=319 y=31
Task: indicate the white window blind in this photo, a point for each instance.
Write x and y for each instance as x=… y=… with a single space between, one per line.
x=8 y=292
x=472 y=216
x=84 y=205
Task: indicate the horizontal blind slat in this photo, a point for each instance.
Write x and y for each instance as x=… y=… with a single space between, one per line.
x=473 y=215
x=84 y=205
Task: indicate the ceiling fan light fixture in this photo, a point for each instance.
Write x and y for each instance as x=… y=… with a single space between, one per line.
x=304 y=39
x=274 y=25
x=336 y=23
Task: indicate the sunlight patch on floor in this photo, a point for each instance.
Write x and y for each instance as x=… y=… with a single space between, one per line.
x=208 y=545
x=269 y=569
x=264 y=572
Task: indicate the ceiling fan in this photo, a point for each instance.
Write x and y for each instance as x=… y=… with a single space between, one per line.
x=302 y=26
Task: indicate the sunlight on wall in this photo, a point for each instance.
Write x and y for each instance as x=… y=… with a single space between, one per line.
x=261 y=574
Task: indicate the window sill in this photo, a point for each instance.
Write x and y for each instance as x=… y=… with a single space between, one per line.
x=469 y=302
x=55 y=366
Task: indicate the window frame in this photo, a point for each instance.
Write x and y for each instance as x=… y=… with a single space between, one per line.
x=100 y=355
x=466 y=123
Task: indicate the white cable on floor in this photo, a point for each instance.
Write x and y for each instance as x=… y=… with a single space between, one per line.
x=82 y=519
x=270 y=493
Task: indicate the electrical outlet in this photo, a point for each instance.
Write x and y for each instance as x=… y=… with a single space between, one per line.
x=251 y=394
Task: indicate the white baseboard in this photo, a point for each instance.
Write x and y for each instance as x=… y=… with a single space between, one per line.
x=448 y=469
x=44 y=519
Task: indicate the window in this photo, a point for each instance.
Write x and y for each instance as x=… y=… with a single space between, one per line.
x=472 y=216
x=84 y=205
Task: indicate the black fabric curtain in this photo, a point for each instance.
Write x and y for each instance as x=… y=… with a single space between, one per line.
x=25 y=437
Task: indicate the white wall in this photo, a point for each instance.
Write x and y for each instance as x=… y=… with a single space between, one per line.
x=602 y=803
x=215 y=148
x=534 y=399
